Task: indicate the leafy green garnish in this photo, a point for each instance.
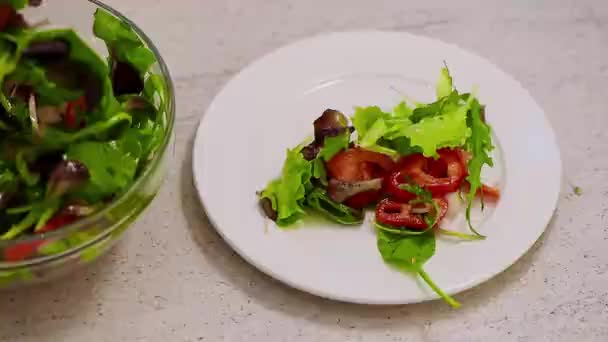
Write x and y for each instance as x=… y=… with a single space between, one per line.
x=409 y=253
x=480 y=145
x=318 y=200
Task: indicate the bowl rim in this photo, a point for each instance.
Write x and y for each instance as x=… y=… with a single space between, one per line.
x=83 y=224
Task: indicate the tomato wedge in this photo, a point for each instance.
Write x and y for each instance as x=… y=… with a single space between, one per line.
x=357 y=164
x=400 y=215
x=440 y=176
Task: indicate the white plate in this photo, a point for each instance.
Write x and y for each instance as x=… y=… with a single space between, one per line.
x=270 y=105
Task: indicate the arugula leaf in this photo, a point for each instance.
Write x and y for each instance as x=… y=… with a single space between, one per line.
x=409 y=254
x=318 y=200
x=111 y=167
x=287 y=194
x=333 y=145
x=123 y=43
x=479 y=144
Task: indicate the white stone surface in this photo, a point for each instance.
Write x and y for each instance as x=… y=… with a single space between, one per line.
x=174 y=279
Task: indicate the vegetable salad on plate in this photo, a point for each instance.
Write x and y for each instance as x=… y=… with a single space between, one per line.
x=401 y=163
x=75 y=130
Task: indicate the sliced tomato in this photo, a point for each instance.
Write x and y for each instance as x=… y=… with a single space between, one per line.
x=357 y=164
x=400 y=215
x=74 y=108
x=440 y=176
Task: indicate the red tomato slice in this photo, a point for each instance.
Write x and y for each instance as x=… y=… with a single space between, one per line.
x=440 y=176
x=357 y=164
x=399 y=215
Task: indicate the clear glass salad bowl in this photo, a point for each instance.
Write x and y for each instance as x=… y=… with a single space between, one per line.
x=46 y=256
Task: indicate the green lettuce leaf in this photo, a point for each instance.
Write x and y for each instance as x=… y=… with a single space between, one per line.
x=333 y=145
x=287 y=194
x=444 y=84
x=365 y=117
x=111 y=166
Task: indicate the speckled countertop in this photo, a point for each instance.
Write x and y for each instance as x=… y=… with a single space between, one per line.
x=174 y=279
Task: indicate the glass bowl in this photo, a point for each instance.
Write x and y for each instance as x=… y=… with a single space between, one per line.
x=46 y=256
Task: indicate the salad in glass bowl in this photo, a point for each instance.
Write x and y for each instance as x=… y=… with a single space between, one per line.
x=82 y=138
